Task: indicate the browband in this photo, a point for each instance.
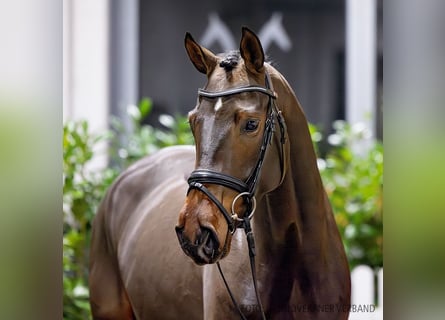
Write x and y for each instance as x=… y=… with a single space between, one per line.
x=217 y=94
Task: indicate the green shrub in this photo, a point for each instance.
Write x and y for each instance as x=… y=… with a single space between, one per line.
x=354 y=184
x=82 y=192
x=143 y=139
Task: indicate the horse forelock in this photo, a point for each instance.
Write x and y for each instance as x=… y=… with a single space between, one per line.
x=230 y=60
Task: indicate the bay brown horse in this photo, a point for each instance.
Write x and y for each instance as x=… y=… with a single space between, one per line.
x=137 y=268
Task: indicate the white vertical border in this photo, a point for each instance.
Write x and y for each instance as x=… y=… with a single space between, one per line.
x=86 y=66
x=361 y=59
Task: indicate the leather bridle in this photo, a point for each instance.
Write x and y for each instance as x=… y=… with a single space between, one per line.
x=247 y=188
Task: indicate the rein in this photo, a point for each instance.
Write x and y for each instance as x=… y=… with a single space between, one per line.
x=246 y=189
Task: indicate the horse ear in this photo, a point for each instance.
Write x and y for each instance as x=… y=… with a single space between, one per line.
x=203 y=59
x=251 y=50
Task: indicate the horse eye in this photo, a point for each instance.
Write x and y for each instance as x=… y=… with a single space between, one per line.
x=251 y=125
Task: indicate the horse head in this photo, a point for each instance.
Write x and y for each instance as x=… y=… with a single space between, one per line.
x=232 y=123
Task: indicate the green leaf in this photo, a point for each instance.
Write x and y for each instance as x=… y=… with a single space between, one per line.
x=145 y=107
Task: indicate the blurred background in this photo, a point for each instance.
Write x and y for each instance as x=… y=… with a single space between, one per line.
x=31 y=126
x=117 y=52
x=128 y=85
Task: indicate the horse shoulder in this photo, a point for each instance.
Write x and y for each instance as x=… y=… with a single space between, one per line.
x=138 y=182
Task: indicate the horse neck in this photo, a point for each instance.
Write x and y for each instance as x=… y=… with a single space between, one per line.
x=300 y=202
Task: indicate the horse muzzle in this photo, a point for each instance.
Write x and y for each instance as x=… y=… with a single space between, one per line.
x=205 y=248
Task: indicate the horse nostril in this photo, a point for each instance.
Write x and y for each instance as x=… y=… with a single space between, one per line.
x=209 y=241
x=179 y=233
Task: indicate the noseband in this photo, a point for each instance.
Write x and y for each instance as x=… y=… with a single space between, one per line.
x=247 y=188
